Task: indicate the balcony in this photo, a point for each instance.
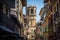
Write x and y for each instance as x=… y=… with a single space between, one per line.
x=16 y=21
x=53 y=2
x=56 y=37
x=56 y=16
x=9 y=3
x=8 y=28
x=49 y=10
x=7 y=24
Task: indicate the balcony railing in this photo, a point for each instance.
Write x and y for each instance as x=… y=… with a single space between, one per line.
x=10 y=3
x=57 y=37
x=7 y=23
x=16 y=21
x=53 y=2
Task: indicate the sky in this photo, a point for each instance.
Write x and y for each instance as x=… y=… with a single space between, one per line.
x=38 y=3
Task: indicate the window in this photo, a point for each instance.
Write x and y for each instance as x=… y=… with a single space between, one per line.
x=31 y=23
x=55 y=9
x=31 y=10
x=32 y=36
x=17 y=1
x=1 y=6
x=50 y=0
x=20 y=13
x=31 y=30
x=27 y=12
x=7 y=11
x=50 y=7
x=44 y=15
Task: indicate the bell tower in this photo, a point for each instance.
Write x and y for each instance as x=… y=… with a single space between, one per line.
x=31 y=17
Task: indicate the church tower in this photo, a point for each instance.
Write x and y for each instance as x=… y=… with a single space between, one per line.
x=31 y=17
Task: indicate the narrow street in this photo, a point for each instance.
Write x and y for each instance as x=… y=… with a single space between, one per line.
x=29 y=19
